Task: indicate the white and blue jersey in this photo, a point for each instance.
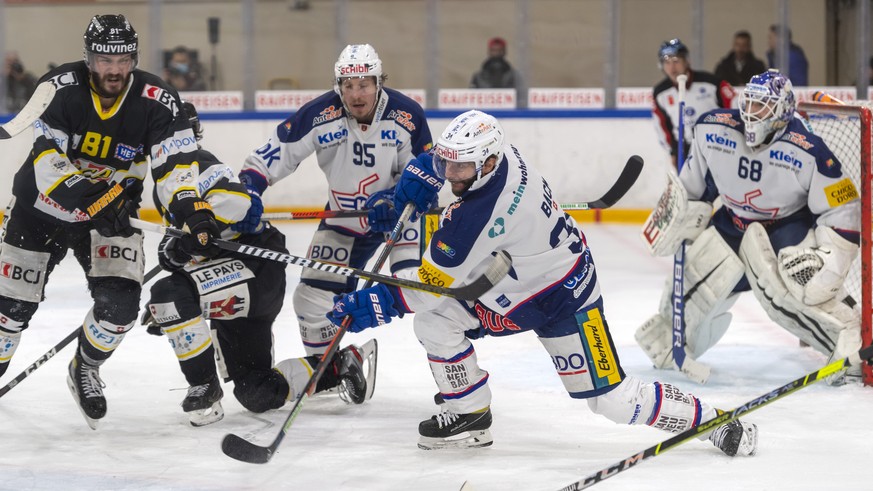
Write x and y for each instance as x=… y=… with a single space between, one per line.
x=553 y=274
x=357 y=159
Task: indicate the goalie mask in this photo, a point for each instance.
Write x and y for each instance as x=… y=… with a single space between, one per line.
x=766 y=107
x=465 y=146
x=110 y=35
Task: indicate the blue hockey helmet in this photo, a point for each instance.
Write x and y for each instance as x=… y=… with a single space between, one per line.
x=766 y=106
x=672 y=48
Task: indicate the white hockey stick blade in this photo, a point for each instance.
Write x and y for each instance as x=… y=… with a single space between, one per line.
x=31 y=111
x=695 y=370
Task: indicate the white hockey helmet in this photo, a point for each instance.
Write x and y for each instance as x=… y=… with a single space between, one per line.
x=766 y=106
x=472 y=137
x=357 y=60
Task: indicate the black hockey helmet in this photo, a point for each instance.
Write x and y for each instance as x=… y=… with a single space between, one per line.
x=111 y=35
x=193 y=118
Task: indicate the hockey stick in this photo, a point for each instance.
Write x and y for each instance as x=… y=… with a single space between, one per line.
x=243 y=450
x=691 y=433
x=622 y=185
x=61 y=345
x=31 y=111
x=498 y=268
x=689 y=366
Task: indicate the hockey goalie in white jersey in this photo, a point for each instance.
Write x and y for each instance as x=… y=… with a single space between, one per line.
x=788 y=228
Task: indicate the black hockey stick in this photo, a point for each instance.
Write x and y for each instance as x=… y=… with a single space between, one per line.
x=61 y=345
x=625 y=181
x=243 y=450
x=865 y=354
x=498 y=268
x=31 y=111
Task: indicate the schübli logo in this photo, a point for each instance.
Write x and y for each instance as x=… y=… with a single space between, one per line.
x=113 y=49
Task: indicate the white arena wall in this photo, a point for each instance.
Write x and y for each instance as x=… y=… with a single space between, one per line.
x=581 y=156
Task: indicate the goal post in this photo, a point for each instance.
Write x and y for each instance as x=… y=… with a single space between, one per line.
x=846 y=129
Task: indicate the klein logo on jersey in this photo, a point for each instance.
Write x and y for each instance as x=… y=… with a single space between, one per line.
x=389 y=135
x=162 y=96
x=327 y=114
x=115 y=252
x=355 y=69
x=225 y=308
x=445 y=248
x=720 y=140
x=722 y=118
x=124 y=152
x=789 y=157
x=65 y=79
x=841 y=192
x=799 y=140
x=402 y=118
x=430 y=274
x=493 y=321
x=17 y=273
x=332 y=137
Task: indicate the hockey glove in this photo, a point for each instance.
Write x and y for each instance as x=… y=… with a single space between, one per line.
x=109 y=210
x=255 y=185
x=199 y=221
x=171 y=257
x=370 y=307
x=418 y=184
x=382 y=215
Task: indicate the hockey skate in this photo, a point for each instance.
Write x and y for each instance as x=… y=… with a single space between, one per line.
x=203 y=403
x=356 y=385
x=450 y=430
x=736 y=438
x=87 y=389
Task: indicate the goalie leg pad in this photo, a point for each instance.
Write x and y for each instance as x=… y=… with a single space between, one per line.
x=659 y=405
x=462 y=384
x=819 y=326
x=316 y=331
x=674 y=219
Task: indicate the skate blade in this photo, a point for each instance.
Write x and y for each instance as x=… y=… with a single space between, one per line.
x=203 y=417
x=92 y=423
x=467 y=439
x=370 y=352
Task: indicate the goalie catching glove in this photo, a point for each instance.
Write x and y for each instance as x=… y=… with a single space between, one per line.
x=674 y=219
x=814 y=275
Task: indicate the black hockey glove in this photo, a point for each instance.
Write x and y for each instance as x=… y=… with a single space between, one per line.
x=171 y=257
x=109 y=210
x=194 y=215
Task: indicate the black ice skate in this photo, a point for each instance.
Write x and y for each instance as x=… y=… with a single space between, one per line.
x=357 y=385
x=87 y=389
x=450 y=430
x=203 y=403
x=736 y=438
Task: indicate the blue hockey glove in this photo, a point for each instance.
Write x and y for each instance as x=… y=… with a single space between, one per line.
x=418 y=184
x=370 y=307
x=255 y=185
x=382 y=215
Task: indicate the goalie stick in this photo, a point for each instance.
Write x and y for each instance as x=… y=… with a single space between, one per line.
x=689 y=366
x=61 y=345
x=31 y=111
x=245 y=451
x=622 y=185
x=498 y=268
x=865 y=354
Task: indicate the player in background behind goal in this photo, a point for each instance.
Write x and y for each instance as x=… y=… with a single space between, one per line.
x=241 y=296
x=704 y=93
x=504 y=203
x=80 y=184
x=788 y=228
x=363 y=134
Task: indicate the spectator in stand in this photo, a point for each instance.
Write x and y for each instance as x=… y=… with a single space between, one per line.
x=496 y=72
x=183 y=71
x=20 y=84
x=705 y=92
x=740 y=64
x=798 y=67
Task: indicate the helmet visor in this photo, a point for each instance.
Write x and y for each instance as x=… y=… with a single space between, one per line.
x=453 y=171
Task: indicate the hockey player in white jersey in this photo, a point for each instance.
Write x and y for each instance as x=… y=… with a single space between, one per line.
x=362 y=134
x=504 y=203
x=788 y=228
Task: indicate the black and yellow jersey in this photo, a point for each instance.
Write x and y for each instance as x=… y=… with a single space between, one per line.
x=77 y=145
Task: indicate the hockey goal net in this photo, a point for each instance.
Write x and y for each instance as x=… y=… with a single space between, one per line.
x=847 y=132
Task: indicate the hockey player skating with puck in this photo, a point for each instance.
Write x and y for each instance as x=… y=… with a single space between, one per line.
x=505 y=204
x=788 y=228
x=362 y=134
x=241 y=296
x=80 y=184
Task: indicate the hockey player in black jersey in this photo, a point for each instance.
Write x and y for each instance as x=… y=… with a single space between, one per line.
x=80 y=184
x=240 y=296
